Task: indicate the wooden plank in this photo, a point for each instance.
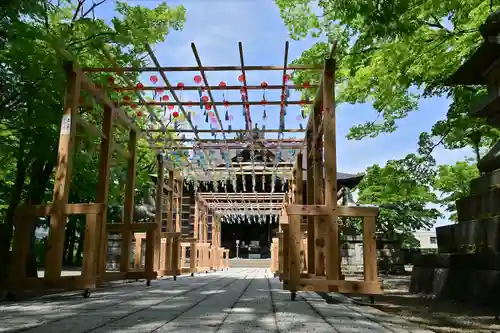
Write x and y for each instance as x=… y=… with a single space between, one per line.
x=341 y=286
x=322 y=210
x=55 y=241
x=69 y=209
x=128 y=208
x=132 y=227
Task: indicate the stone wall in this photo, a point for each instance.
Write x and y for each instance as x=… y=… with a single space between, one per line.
x=482 y=235
x=472 y=277
x=390 y=258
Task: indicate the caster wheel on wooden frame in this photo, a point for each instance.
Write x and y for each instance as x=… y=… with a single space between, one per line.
x=86 y=293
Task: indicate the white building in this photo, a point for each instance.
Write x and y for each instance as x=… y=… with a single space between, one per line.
x=428 y=239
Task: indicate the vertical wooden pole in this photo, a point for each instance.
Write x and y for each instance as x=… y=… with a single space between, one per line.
x=170 y=220
x=196 y=222
x=310 y=201
x=205 y=224
x=178 y=216
x=329 y=132
x=318 y=193
x=128 y=208
x=294 y=227
x=160 y=181
x=369 y=249
x=55 y=241
x=103 y=187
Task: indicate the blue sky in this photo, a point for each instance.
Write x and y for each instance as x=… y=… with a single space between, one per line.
x=216 y=27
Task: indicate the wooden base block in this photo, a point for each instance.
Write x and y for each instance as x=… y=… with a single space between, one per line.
x=340 y=286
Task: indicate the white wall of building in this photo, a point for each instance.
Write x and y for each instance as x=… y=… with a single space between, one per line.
x=427 y=239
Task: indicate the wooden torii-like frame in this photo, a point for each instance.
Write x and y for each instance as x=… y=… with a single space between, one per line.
x=165 y=246
x=319 y=268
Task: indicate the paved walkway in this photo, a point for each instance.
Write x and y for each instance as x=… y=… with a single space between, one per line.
x=238 y=300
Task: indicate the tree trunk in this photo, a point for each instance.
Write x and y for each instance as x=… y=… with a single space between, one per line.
x=41 y=171
x=15 y=199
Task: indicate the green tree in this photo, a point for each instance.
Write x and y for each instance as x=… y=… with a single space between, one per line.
x=406 y=185
x=32 y=91
x=453 y=182
x=393 y=53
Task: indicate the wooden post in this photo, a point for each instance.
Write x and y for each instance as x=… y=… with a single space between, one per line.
x=295 y=234
x=170 y=221
x=369 y=249
x=196 y=222
x=160 y=181
x=128 y=208
x=178 y=217
x=55 y=241
x=329 y=132
x=310 y=201
x=205 y=224
x=318 y=195
x=90 y=244
x=20 y=248
x=103 y=187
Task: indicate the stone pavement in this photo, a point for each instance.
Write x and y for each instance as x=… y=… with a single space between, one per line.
x=238 y=300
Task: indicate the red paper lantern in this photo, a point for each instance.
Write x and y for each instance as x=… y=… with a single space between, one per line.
x=197 y=79
x=170 y=107
x=264 y=84
x=222 y=84
x=241 y=78
x=204 y=98
x=305 y=84
x=134 y=106
x=243 y=91
x=208 y=107
x=159 y=90
x=153 y=78
x=226 y=104
x=283 y=97
x=126 y=98
x=139 y=114
x=139 y=85
x=286 y=77
x=175 y=114
x=165 y=98
x=180 y=85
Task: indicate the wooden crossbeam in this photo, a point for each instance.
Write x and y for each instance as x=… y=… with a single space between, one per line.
x=196 y=68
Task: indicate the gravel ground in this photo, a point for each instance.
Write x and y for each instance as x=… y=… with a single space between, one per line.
x=439 y=316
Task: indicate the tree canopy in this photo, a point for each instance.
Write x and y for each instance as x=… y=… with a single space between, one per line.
x=32 y=90
x=391 y=54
